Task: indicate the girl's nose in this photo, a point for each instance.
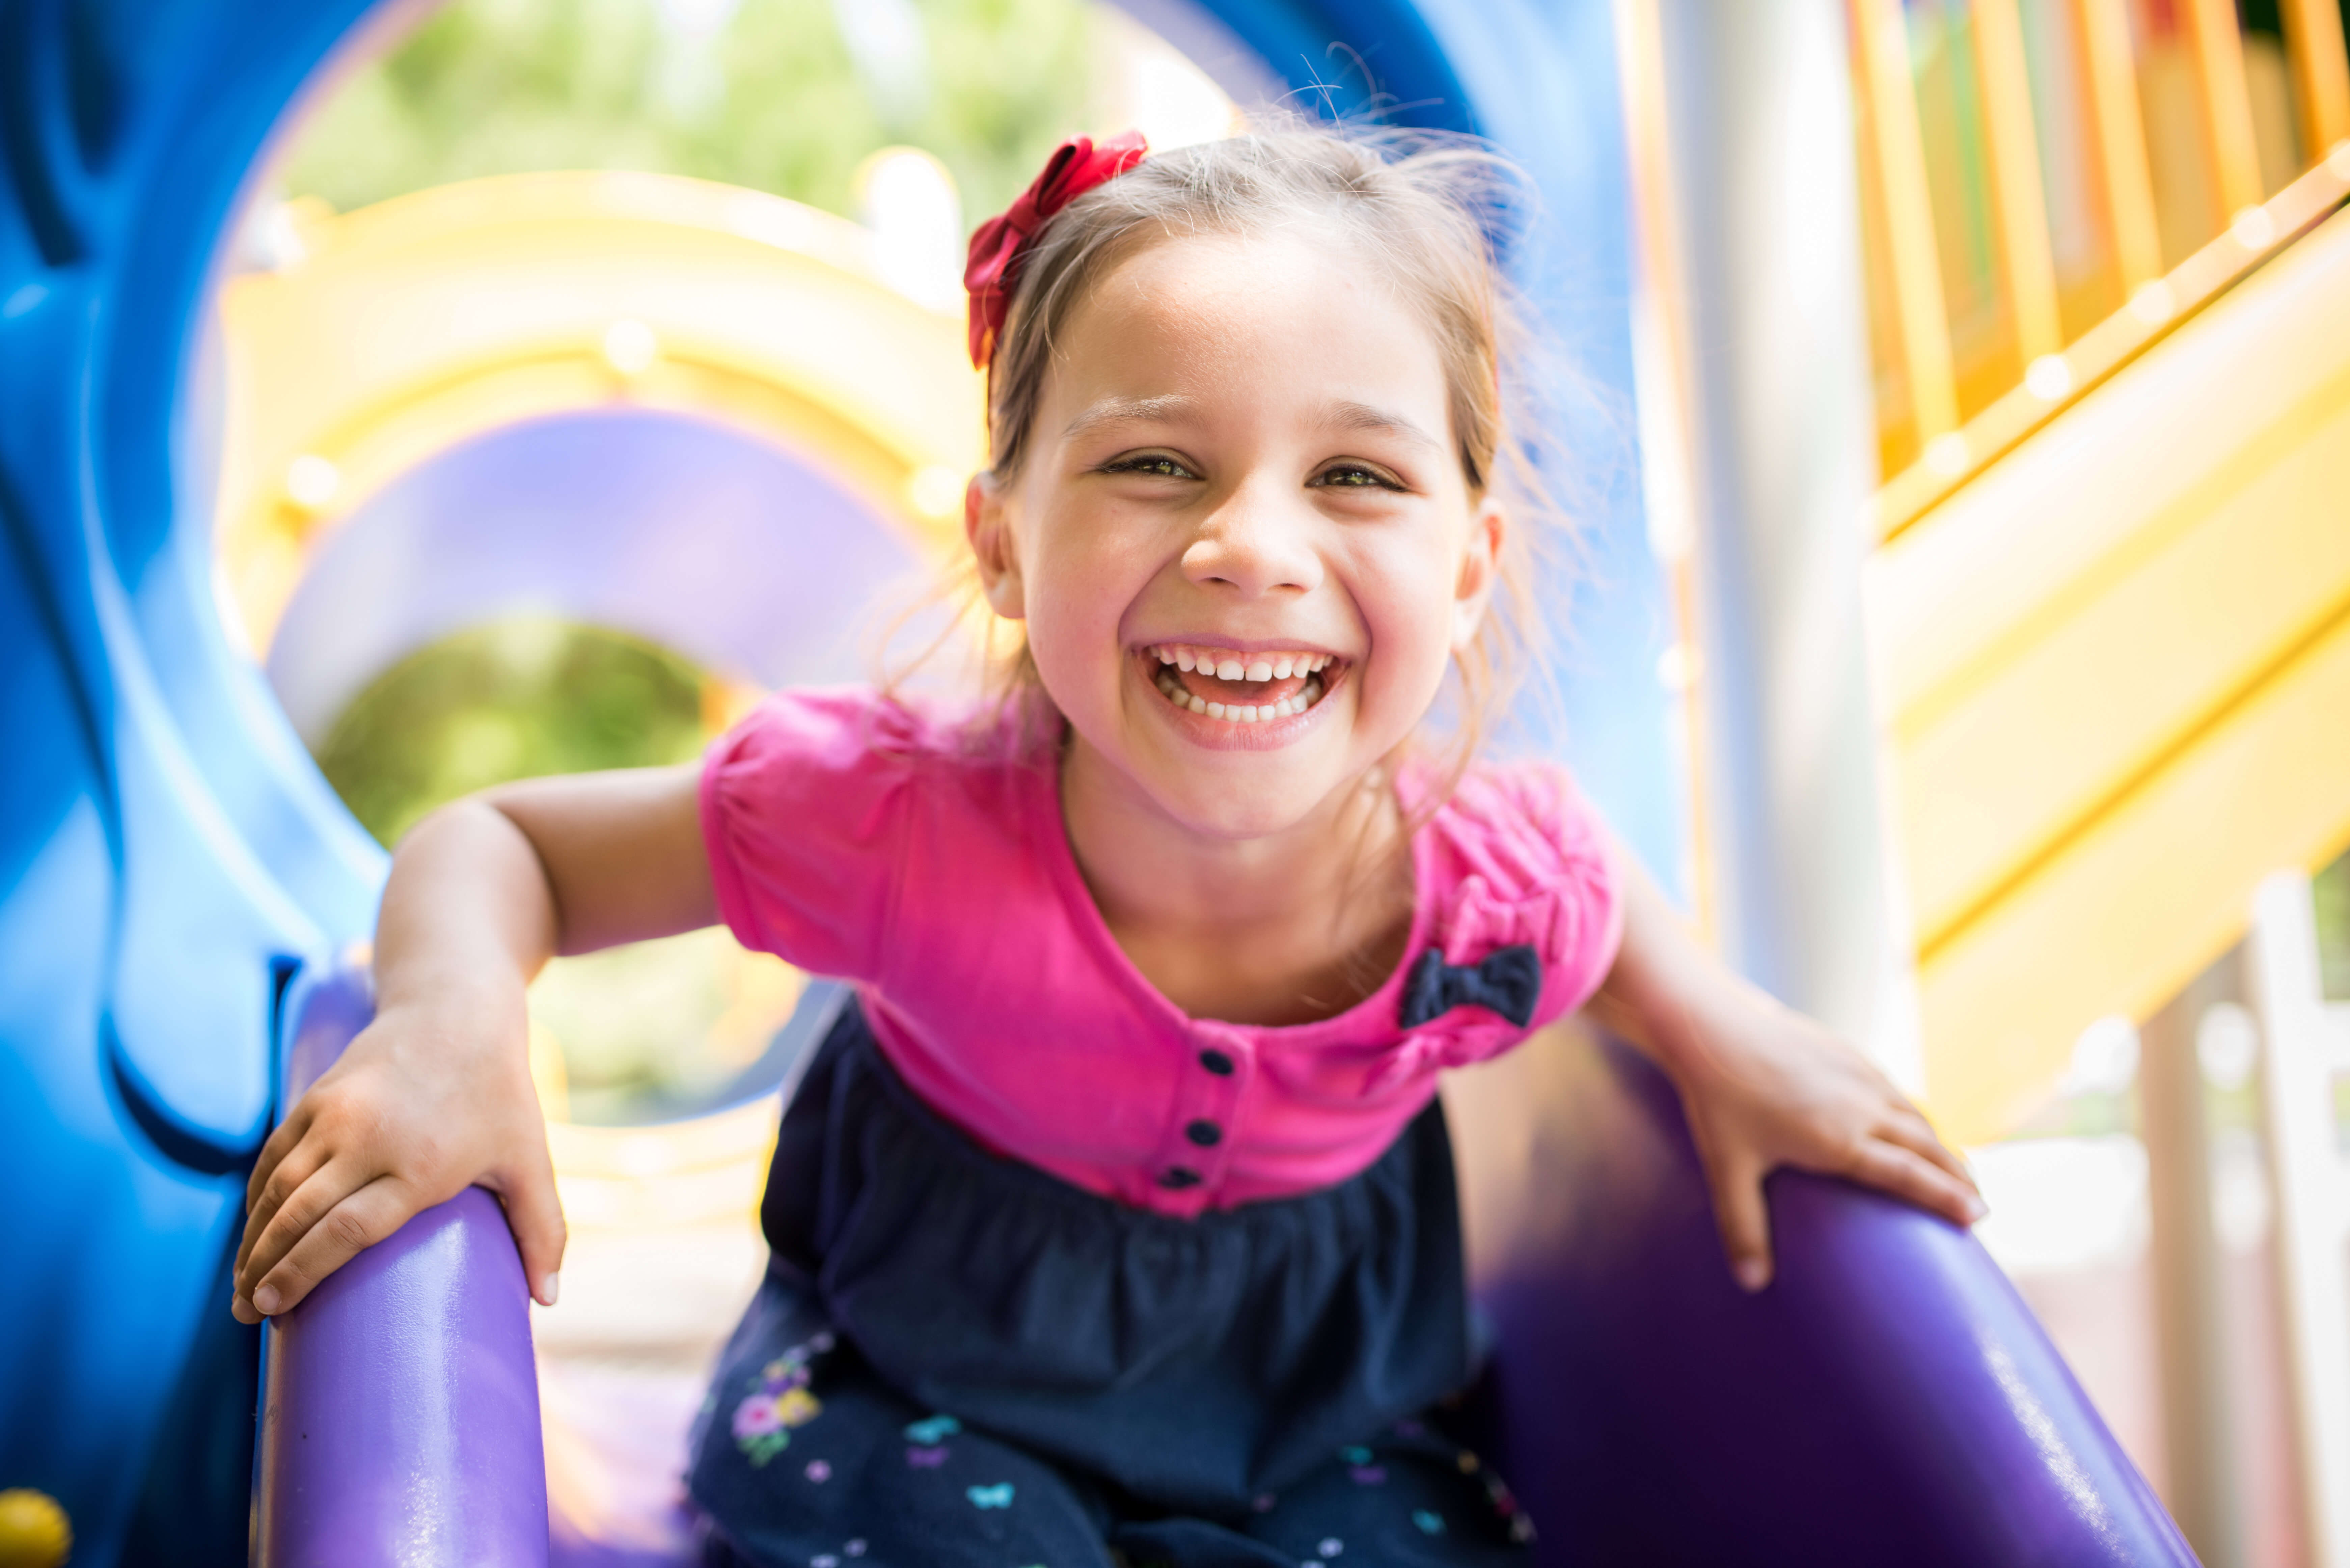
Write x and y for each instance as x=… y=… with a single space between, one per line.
x=1256 y=544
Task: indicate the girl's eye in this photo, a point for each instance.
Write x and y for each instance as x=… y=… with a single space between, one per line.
x=1155 y=467
x=1354 y=476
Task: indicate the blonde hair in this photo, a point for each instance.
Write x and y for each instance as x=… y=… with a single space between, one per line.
x=1434 y=211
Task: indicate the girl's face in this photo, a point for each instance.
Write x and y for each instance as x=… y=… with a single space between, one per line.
x=1241 y=538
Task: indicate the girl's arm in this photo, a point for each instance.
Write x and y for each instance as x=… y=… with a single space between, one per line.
x=1763 y=1087
x=435 y=1095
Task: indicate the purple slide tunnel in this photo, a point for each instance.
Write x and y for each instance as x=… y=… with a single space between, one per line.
x=1888 y=1400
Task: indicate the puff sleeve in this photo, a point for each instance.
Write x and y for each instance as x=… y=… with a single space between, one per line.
x=1525 y=861
x=804 y=812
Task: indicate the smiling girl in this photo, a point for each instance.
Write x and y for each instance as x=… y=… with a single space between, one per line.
x=1116 y=1222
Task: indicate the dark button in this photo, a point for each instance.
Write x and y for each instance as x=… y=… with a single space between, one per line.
x=1216 y=1062
x=1176 y=1178
x=1206 y=1134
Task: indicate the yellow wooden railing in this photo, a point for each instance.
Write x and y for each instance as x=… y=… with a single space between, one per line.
x=2050 y=185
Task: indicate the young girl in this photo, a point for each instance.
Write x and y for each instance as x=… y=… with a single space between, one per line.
x=1116 y=1222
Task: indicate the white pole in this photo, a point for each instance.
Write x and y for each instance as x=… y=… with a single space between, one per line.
x=2297 y=1108
x=1783 y=446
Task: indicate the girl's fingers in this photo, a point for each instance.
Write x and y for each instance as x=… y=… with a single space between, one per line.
x=1744 y=1218
x=535 y=1214
x=1892 y=1168
x=1912 y=1132
x=301 y=1211
x=293 y=1168
x=358 y=1221
x=282 y=1141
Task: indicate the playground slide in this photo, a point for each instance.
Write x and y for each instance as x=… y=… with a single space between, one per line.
x=172 y=858
x=2113 y=674
x=1889 y=1399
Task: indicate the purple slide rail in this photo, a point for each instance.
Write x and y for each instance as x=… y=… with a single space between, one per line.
x=1888 y=1399
x=400 y=1405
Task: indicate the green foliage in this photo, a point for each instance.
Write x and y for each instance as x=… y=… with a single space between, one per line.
x=2332 y=889
x=513 y=698
x=773 y=101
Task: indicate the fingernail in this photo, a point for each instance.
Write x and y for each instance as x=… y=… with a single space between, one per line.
x=1976 y=1209
x=264 y=1301
x=550 y=1288
x=1753 y=1273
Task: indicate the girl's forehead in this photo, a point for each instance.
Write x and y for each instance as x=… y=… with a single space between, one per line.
x=1270 y=316
x=1310 y=256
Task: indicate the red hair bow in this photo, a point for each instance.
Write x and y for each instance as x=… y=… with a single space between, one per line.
x=1077 y=166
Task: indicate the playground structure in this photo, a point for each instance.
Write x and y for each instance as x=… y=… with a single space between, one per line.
x=726 y=375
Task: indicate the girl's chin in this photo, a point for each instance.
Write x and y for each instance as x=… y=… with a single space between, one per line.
x=1227 y=816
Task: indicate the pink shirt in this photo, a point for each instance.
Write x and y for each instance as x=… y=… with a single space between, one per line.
x=858 y=837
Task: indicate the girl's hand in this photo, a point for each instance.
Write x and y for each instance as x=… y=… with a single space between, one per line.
x=429 y=1099
x=1764 y=1086
x=435 y=1095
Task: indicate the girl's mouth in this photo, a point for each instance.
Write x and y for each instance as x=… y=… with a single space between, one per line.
x=1240 y=688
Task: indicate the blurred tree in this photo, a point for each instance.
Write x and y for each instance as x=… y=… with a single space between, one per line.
x=513 y=698
x=785 y=96
x=646 y=1031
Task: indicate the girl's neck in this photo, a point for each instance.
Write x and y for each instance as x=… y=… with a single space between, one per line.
x=1286 y=929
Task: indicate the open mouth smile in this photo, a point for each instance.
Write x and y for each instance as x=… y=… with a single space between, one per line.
x=1242 y=688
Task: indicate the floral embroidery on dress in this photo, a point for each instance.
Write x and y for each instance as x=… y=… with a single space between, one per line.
x=779 y=1401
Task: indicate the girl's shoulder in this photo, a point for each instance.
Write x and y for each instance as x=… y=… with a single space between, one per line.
x=1518 y=827
x=814 y=806
x=1515 y=858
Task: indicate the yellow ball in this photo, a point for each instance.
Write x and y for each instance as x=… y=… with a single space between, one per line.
x=34 y=1531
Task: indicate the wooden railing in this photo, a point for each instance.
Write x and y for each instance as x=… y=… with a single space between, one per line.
x=2049 y=185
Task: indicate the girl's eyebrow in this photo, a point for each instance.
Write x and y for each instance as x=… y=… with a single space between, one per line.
x=1353 y=416
x=1128 y=411
x=1344 y=414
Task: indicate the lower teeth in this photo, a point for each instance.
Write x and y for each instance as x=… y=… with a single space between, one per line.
x=1242 y=714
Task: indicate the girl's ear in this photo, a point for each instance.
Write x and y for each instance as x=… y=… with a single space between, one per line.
x=1480 y=564
x=987 y=524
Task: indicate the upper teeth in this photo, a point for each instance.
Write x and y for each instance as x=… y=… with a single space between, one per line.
x=1228 y=664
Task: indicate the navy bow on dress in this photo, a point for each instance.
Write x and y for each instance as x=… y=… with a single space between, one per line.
x=1507 y=981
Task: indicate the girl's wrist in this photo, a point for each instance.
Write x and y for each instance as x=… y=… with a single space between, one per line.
x=470 y=1016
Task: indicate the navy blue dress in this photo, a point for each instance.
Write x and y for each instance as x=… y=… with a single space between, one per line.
x=958 y=1359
